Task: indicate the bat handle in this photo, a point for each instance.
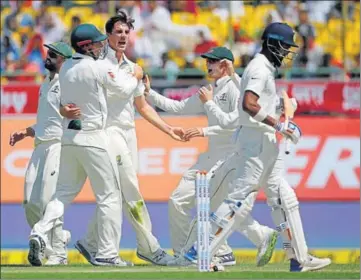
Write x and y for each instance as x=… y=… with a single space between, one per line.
x=288 y=141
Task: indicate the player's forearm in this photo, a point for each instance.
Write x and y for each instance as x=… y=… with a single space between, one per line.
x=29 y=131
x=166 y=104
x=215 y=130
x=225 y=120
x=256 y=112
x=148 y=113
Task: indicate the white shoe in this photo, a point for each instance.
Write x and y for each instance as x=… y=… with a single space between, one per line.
x=55 y=260
x=315 y=263
x=36 y=250
x=180 y=261
x=225 y=260
x=311 y=264
x=265 y=251
x=116 y=261
x=160 y=257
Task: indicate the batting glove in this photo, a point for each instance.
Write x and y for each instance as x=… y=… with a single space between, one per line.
x=292 y=131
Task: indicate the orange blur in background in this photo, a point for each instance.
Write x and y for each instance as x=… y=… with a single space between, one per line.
x=325 y=167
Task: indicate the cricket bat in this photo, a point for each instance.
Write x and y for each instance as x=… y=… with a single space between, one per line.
x=289 y=112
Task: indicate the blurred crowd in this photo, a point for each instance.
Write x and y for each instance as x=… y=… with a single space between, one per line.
x=170 y=35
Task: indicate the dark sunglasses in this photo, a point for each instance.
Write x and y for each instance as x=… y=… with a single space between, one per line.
x=52 y=54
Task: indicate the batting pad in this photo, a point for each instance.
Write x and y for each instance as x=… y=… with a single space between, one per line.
x=293 y=225
x=240 y=211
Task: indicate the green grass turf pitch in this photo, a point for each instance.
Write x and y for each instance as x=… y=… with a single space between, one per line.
x=244 y=271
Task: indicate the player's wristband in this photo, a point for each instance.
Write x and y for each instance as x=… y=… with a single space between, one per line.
x=261 y=115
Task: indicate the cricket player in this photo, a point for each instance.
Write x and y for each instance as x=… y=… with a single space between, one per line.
x=43 y=168
x=260 y=160
x=220 y=145
x=121 y=130
x=86 y=150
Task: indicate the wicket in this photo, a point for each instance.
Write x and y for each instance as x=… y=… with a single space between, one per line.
x=203 y=223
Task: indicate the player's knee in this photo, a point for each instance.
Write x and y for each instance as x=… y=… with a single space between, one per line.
x=56 y=207
x=175 y=203
x=32 y=213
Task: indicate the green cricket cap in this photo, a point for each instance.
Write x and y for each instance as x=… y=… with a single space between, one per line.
x=60 y=48
x=219 y=53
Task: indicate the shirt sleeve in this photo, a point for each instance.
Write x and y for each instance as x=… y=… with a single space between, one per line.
x=255 y=81
x=139 y=90
x=191 y=105
x=119 y=82
x=233 y=94
x=215 y=130
x=226 y=120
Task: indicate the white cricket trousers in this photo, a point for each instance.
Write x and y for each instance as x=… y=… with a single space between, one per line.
x=124 y=150
x=182 y=201
x=92 y=160
x=258 y=165
x=40 y=184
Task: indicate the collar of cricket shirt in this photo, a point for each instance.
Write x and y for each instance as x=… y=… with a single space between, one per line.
x=111 y=55
x=81 y=56
x=56 y=78
x=266 y=62
x=222 y=81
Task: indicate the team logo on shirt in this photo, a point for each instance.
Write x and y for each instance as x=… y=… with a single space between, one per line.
x=55 y=89
x=119 y=160
x=223 y=97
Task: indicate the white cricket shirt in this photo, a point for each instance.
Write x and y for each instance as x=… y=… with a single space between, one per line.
x=84 y=82
x=259 y=77
x=121 y=111
x=48 y=119
x=225 y=95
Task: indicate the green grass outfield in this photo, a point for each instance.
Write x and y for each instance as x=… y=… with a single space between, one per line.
x=271 y=271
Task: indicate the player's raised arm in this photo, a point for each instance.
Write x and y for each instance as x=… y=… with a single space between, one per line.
x=191 y=105
x=232 y=73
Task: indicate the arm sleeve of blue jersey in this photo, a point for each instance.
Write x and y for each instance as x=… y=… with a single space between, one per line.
x=191 y=105
x=255 y=82
x=225 y=120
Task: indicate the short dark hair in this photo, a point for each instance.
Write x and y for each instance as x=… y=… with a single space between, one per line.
x=122 y=17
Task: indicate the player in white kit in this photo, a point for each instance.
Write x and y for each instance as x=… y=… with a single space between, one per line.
x=43 y=168
x=121 y=130
x=220 y=144
x=259 y=161
x=85 y=145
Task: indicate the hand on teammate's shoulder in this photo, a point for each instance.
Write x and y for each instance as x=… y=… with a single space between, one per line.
x=138 y=72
